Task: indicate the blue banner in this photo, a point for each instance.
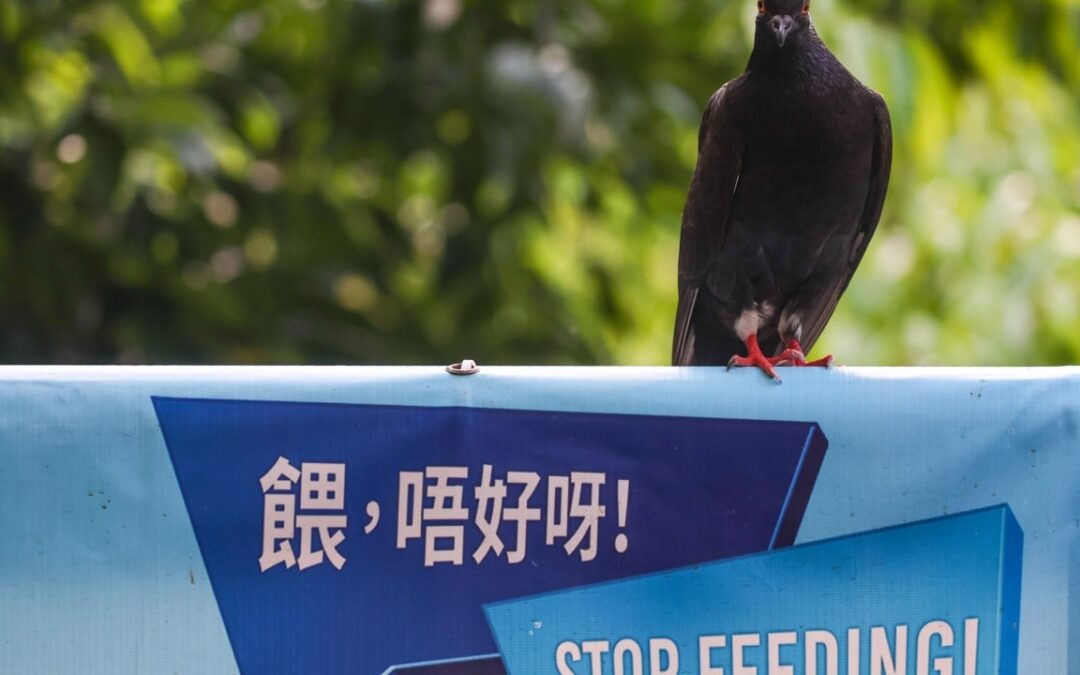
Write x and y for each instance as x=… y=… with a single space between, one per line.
x=361 y=520
x=382 y=529
x=942 y=596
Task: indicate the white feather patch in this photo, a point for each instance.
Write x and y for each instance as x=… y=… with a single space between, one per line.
x=748 y=324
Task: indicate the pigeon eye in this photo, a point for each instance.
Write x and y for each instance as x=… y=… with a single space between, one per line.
x=806 y=8
x=761 y=7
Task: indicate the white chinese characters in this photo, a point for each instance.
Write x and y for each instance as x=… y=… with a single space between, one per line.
x=322 y=490
x=432 y=507
x=484 y=517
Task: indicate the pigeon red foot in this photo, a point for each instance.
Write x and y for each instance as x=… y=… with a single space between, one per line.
x=753 y=359
x=793 y=356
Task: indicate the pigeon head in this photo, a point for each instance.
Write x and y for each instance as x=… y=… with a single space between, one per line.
x=782 y=22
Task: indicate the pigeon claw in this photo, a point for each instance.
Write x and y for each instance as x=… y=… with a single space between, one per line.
x=754 y=359
x=789 y=357
x=795 y=357
x=751 y=362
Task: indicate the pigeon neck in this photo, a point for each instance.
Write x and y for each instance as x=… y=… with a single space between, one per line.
x=805 y=60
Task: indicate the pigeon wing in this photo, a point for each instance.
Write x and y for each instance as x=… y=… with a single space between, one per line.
x=817 y=315
x=705 y=217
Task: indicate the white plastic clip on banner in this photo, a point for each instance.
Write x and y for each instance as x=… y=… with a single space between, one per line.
x=466 y=367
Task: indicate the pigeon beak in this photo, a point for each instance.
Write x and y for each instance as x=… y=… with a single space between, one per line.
x=782 y=25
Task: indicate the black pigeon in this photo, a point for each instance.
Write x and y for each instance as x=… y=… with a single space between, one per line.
x=793 y=165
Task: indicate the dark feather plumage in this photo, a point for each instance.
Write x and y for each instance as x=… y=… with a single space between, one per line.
x=793 y=166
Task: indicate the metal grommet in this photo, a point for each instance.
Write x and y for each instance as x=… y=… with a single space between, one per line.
x=466 y=367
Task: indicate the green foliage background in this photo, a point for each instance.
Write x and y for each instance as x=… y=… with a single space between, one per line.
x=380 y=181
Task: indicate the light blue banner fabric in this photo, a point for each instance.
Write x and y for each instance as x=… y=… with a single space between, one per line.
x=939 y=594
x=102 y=571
